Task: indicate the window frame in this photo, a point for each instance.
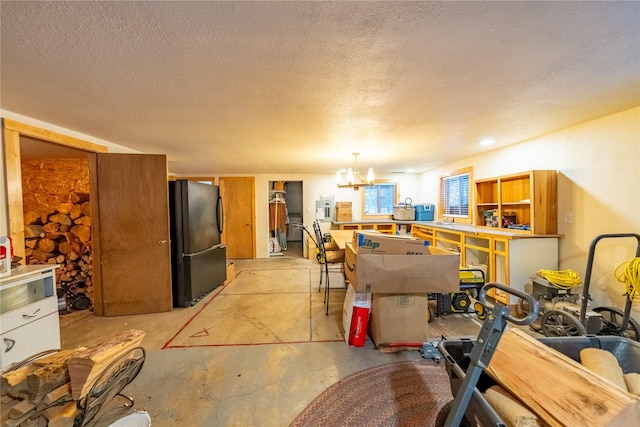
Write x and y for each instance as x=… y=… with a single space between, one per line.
x=442 y=214
x=396 y=193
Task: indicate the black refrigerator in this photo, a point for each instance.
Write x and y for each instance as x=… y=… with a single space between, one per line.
x=199 y=261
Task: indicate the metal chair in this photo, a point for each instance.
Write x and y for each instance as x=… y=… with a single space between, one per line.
x=324 y=261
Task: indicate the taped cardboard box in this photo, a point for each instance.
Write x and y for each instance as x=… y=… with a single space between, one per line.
x=371 y=242
x=437 y=272
x=355 y=317
x=399 y=321
x=231 y=272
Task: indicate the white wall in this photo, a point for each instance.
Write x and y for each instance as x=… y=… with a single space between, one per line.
x=598 y=183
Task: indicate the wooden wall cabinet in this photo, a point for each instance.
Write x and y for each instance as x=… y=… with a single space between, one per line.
x=526 y=199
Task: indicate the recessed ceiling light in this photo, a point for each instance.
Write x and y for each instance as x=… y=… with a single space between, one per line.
x=487 y=141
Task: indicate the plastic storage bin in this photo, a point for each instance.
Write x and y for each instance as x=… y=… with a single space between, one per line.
x=424 y=212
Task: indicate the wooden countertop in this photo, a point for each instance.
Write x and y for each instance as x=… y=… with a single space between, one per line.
x=454 y=227
x=341 y=237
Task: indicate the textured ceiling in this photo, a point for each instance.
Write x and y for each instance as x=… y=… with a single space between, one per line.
x=296 y=87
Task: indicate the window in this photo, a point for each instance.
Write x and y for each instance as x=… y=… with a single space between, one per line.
x=454 y=194
x=379 y=199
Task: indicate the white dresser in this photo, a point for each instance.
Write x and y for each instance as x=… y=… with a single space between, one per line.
x=29 y=321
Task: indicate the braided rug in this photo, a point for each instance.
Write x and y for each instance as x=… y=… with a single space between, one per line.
x=396 y=394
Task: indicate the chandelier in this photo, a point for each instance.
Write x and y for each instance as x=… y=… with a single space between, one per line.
x=353 y=174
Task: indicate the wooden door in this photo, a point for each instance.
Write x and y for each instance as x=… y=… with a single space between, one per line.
x=130 y=217
x=238 y=199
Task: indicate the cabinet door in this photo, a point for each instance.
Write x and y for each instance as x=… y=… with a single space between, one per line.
x=32 y=338
x=130 y=213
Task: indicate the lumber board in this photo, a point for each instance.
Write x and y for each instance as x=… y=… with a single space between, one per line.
x=558 y=389
x=85 y=367
x=63 y=416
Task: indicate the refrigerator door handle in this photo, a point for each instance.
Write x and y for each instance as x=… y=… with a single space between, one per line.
x=212 y=248
x=220 y=214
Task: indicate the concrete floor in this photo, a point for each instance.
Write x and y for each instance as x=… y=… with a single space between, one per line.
x=269 y=348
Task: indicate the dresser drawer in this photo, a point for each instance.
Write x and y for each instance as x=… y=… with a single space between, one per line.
x=30 y=339
x=29 y=313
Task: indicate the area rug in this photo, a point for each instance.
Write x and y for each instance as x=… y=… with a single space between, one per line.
x=396 y=394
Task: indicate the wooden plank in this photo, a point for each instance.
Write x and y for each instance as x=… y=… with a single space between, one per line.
x=63 y=416
x=34 y=381
x=14 y=189
x=561 y=391
x=51 y=136
x=85 y=367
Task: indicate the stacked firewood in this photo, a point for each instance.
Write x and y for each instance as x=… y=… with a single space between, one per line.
x=61 y=234
x=49 y=391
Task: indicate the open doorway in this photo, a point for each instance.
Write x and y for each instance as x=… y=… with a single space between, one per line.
x=285 y=210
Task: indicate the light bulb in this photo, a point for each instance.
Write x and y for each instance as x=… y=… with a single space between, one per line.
x=338 y=178
x=370 y=176
x=350 y=179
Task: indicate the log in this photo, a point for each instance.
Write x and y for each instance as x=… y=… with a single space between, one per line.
x=60 y=219
x=84 y=368
x=73 y=198
x=33 y=230
x=62 y=393
x=63 y=416
x=65 y=248
x=83 y=220
x=49 y=376
x=558 y=389
x=86 y=208
x=75 y=212
x=21 y=409
x=13 y=382
x=31 y=217
x=40 y=255
x=46 y=245
x=83 y=232
x=51 y=227
x=64 y=208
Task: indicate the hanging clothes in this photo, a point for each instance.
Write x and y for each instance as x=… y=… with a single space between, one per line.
x=277 y=215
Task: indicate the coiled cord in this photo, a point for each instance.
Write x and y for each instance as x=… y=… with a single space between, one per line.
x=562 y=279
x=628 y=273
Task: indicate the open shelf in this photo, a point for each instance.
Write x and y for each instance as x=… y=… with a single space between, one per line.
x=522 y=203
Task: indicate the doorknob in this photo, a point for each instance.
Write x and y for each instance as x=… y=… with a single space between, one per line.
x=162 y=242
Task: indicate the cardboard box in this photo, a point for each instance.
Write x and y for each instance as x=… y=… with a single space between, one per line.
x=355 y=317
x=344 y=214
x=371 y=242
x=413 y=274
x=343 y=205
x=312 y=251
x=231 y=272
x=399 y=321
x=278 y=186
x=344 y=217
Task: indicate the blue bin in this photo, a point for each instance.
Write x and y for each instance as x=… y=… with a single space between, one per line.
x=424 y=212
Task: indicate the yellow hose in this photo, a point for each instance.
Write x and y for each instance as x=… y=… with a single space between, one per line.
x=563 y=279
x=628 y=273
